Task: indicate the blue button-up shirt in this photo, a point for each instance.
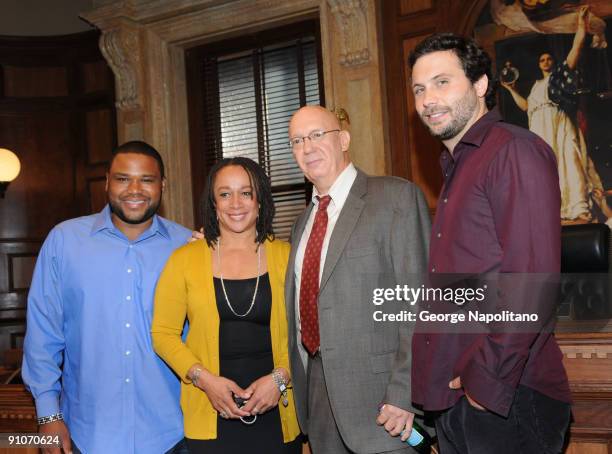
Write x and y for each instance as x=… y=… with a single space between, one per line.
x=88 y=350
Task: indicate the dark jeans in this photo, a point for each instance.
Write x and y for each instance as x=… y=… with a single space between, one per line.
x=179 y=448
x=536 y=425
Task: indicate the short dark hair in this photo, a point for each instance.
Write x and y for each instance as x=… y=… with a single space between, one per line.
x=474 y=60
x=139 y=147
x=262 y=189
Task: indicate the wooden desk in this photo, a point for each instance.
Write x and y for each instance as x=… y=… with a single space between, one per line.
x=587 y=356
x=17 y=414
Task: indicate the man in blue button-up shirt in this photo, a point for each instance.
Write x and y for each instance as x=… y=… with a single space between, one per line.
x=88 y=359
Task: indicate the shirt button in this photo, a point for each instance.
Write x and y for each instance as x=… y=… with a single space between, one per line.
x=127 y=352
x=439 y=235
x=445 y=200
x=127 y=380
x=130 y=246
x=129 y=298
x=129 y=270
x=433 y=269
x=127 y=325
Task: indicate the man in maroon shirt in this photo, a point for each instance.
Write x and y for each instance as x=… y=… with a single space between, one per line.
x=498 y=212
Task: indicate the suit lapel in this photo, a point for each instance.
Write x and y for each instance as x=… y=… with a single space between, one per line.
x=345 y=225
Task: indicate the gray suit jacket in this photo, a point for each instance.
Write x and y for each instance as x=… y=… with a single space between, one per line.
x=380 y=239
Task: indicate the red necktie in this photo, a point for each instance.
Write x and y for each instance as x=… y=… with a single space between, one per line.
x=309 y=285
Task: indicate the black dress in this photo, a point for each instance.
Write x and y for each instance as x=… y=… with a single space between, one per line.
x=245 y=353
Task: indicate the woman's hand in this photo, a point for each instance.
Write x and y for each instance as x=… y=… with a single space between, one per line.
x=219 y=391
x=583 y=15
x=518 y=99
x=264 y=395
x=574 y=54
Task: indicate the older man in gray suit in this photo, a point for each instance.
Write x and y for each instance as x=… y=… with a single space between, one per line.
x=351 y=375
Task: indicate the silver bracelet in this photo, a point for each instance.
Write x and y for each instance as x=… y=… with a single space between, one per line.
x=281 y=383
x=51 y=418
x=195 y=376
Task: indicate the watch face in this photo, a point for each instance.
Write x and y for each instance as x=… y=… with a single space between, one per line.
x=509 y=74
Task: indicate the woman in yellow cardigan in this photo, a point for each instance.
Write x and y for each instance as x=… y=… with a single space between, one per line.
x=230 y=287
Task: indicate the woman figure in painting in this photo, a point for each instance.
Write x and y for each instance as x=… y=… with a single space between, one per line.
x=548 y=109
x=231 y=289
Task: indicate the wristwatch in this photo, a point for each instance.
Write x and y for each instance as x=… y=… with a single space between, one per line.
x=281 y=383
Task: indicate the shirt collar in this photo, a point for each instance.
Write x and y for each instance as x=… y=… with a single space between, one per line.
x=479 y=130
x=158 y=227
x=104 y=221
x=474 y=136
x=340 y=189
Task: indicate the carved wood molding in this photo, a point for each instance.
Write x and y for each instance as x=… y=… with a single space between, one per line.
x=591 y=392
x=17 y=412
x=598 y=351
x=351 y=18
x=145 y=41
x=120 y=47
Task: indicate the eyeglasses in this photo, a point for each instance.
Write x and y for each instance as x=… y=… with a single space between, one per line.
x=314 y=136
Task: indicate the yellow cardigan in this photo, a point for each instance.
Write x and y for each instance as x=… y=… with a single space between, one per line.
x=186 y=288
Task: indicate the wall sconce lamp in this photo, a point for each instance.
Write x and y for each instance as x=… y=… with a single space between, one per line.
x=9 y=169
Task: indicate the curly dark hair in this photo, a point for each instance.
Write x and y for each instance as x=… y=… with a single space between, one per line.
x=474 y=60
x=262 y=191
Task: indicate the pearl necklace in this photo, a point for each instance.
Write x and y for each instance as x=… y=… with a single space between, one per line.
x=223 y=285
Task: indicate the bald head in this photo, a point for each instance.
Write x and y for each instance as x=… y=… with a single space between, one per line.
x=322 y=160
x=314 y=114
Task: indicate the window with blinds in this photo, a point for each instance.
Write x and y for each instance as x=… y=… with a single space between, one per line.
x=247 y=95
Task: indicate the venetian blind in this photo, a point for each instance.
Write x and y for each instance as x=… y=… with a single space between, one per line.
x=249 y=97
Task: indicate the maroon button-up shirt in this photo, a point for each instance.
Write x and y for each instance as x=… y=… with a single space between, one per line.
x=498 y=212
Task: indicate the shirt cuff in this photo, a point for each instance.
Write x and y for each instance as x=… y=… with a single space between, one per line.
x=400 y=399
x=47 y=404
x=487 y=389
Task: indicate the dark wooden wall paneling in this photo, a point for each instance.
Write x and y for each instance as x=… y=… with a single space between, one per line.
x=57 y=114
x=414 y=153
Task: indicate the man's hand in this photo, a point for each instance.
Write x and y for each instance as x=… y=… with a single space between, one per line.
x=396 y=421
x=456 y=384
x=56 y=428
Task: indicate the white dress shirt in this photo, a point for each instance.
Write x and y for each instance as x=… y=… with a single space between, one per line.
x=338 y=192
